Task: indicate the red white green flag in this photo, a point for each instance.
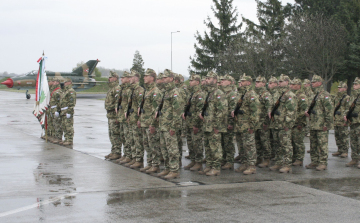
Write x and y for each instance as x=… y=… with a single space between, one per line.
x=42 y=93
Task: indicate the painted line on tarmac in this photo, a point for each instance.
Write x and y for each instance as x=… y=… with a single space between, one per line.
x=37 y=204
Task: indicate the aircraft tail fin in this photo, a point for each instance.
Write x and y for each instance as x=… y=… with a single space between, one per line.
x=87 y=68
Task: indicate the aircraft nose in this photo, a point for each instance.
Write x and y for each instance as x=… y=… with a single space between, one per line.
x=9 y=83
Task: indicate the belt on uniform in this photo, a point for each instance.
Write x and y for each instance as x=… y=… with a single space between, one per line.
x=64 y=108
x=53 y=106
x=110 y=111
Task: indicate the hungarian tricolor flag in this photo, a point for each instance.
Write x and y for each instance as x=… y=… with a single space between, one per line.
x=42 y=94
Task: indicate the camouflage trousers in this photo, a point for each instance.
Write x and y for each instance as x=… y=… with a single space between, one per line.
x=284 y=151
x=228 y=147
x=273 y=143
x=319 y=146
x=247 y=142
x=297 y=141
x=342 y=138
x=195 y=144
x=180 y=143
x=151 y=144
x=57 y=127
x=122 y=136
x=240 y=146
x=68 y=127
x=262 y=142
x=355 y=141
x=114 y=135
x=170 y=150
x=50 y=126
x=128 y=140
x=212 y=144
x=137 y=148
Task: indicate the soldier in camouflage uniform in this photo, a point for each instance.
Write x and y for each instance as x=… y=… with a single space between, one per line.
x=286 y=116
x=340 y=125
x=55 y=109
x=170 y=122
x=354 y=124
x=136 y=141
x=321 y=121
x=262 y=134
x=121 y=107
x=67 y=104
x=215 y=120
x=113 y=124
x=246 y=120
x=151 y=139
x=179 y=133
x=49 y=119
x=274 y=91
x=194 y=132
x=298 y=131
x=240 y=157
x=227 y=138
x=310 y=95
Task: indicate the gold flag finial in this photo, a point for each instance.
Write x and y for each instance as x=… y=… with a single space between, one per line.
x=43 y=53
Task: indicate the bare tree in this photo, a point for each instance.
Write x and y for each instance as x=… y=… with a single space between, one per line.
x=315 y=44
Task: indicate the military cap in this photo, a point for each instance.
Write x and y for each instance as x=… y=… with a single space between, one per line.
x=160 y=75
x=295 y=81
x=150 y=72
x=227 y=77
x=125 y=74
x=134 y=73
x=113 y=74
x=246 y=78
x=357 y=80
x=306 y=81
x=203 y=79
x=168 y=73
x=342 y=84
x=195 y=77
x=68 y=79
x=212 y=74
x=177 y=77
x=316 y=78
x=58 y=79
x=50 y=78
x=284 y=77
x=273 y=80
x=260 y=79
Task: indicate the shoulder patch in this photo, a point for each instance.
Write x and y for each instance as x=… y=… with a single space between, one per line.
x=232 y=97
x=154 y=95
x=326 y=97
x=267 y=97
x=175 y=95
x=290 y=98
x=200 y=98
x=218 y=96
x=303 y=99
x=252 y=98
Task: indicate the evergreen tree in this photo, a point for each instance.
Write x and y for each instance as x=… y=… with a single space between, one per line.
x=215 y=42
x=138 y=64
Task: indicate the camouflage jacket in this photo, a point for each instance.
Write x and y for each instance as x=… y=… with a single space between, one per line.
x=323 y=109
x=250 y=107
x=230 y=96
x=67 y=100
x=124 y=94
x=354 y=94
x=55 y=96
x=197 y=103
x=287 y=109
x=345 y=104
x=111 y=98
x=265 y=106
x=170 y=117
x=137 y=94
x=150 y=105
x=302 y=105
x=217 y=110
x=309 y=93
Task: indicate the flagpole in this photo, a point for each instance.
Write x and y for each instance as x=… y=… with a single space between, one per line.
x=46 y=136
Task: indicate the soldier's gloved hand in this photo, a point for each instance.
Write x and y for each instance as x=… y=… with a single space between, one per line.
x=152 y=129
x=68 y=115
x=325 y=128
x=57 y=114
x=216 y=131
x=172 y=132
x=196 y=130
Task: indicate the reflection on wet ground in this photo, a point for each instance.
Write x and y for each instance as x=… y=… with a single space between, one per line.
x=348 y=187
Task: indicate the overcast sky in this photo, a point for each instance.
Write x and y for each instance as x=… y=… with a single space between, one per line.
x=109 y=30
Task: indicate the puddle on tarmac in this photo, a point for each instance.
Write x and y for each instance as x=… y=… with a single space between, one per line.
x=347 y=187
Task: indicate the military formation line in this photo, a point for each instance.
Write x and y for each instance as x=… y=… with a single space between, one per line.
x=267 y=120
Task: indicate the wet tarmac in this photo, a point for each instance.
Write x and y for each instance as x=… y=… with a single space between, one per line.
x=43 y=182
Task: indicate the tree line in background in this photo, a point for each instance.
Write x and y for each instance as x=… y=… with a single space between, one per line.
x=300 y=40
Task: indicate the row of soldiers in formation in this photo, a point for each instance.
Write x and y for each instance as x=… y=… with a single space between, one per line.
x=211 y=111
x=60 y=114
